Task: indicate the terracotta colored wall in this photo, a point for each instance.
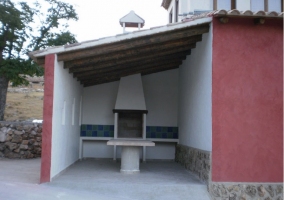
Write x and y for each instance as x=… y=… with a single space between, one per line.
x=47 y=118
x=247 y=98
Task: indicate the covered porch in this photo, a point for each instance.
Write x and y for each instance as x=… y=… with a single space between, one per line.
x=83 y=87
x=204 y=99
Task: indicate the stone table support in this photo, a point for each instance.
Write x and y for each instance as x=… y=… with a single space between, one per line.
x=130 y=153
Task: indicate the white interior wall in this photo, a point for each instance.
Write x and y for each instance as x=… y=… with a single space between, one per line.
x=98 y=103
x=161 y=151
x=65 y=136
x=161 y=96
x=195 y=102
x=97 y=149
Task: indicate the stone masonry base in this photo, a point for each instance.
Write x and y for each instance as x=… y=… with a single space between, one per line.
x=245 y=191
x=20 y=140
x=194 y=160
x=199 y=162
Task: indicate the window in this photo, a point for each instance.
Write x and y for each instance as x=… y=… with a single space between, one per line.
x=275 y=5
x=73 y=111
x=171 y=17
x=80 y=114
x=223 y=4
x=63 y=113
x=255 y=5
x=177 y=9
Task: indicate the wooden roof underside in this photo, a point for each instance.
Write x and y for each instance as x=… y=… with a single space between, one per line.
x=146 y=55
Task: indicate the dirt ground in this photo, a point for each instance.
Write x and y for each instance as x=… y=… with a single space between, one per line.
x=24 y=103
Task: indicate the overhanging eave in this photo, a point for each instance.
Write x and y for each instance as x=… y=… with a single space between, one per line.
x=151 y=51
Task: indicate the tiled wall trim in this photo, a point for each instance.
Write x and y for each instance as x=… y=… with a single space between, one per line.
x=90 y=130
x=163 y=132
x=246 y=191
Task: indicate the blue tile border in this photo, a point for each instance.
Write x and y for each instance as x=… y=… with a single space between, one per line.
x=163 y=132
x=91 y=130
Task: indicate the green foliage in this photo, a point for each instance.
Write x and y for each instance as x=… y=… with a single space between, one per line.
x=57 y=12
x=18 y=74
x=19 y=34
x=55 y=39
x=12 y=33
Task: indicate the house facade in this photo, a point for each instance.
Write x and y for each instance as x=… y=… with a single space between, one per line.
x=179 y=9
x=208 y=91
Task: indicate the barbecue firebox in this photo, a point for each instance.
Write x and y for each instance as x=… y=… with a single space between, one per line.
x=130 y=110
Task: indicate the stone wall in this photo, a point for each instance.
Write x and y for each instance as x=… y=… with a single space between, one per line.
x=195 y=160
x=20 y=140
x=245 y=191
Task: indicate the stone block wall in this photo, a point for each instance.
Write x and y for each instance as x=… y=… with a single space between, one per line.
x=20 y=140
x=195 y=160
x=246 y=191
x=199 y=162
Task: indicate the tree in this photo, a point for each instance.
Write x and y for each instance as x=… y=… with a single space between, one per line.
x=25 y=28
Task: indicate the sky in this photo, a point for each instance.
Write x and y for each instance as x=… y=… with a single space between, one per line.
x=100 y=18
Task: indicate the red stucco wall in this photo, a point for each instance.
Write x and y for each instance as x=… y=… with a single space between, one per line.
x=47 y=118
x=247 y=101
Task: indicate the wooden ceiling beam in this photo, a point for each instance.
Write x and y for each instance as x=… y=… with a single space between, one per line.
x=101 y=81
x=117 y=78
x=130 y=70
x=134 y=43
x=137 y=52
x=152 y=62
x=159 y=70
x=137 y=59
x=40 y=60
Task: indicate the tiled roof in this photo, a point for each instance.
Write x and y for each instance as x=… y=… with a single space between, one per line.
x=237 y=13
x=247 y=13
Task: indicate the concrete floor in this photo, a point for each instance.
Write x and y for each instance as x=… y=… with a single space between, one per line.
x=100 y=179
